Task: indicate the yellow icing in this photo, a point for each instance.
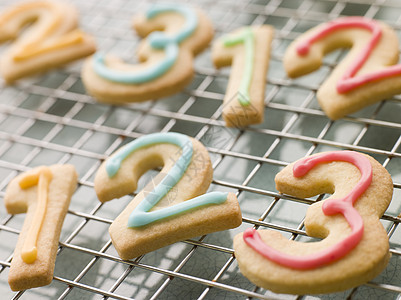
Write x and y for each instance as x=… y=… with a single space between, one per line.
x=42 y=179
x=29 y=255
x=71 y=38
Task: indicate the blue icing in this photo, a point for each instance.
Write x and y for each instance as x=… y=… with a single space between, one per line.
x=157 y=40
x=140 y=215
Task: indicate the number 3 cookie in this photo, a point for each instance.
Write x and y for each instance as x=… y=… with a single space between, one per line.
x=171 y=208
x=354 y=246
x=174 y=35
x=50 y=41
x=367 y=74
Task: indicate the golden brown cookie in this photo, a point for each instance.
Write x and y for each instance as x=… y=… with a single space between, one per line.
x=43 y=193
x=173 y=35
x=173 y=206
x=247 y=50
x=367 y=74
x=354 y=246
x=53 y=38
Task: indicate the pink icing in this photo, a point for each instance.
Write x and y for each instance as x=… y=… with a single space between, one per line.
x=329 y=207
x=348 y=82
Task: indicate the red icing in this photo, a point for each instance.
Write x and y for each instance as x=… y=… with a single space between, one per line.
x=329 y=207
x=348 y=82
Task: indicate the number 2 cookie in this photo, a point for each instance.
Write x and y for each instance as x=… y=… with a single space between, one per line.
x=173 y=34
x=354 y=246
x=367 y=74
x=52 y=38
x=173 y=206
x=44 y=193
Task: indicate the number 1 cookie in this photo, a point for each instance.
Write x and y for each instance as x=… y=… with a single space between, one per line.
x=248 y=51
x=44 y=193
x=51 y=40
x=173 y=206
x=354 y=246
x=367 y=74
x=173 y=34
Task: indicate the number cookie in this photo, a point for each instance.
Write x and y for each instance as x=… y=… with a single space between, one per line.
x=367 y=74
x=44 y=193
x=354 y=246
x=51 y=40
x=171 y=208
x=248 y=51
x=174 y=35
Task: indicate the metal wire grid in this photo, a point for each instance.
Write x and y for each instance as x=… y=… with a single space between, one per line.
x=50 y=119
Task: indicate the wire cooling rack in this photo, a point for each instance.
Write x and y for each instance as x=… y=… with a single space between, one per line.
x=50 y=119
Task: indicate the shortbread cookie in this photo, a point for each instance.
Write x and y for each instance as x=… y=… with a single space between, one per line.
x=44 y=193
x=173 y=206
x=354 y=246
x=53 y=38
x=166 y=57
x=367 y=74
x=248 y=51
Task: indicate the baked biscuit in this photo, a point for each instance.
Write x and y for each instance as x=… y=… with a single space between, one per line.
x=354 y=246
x=173 y=206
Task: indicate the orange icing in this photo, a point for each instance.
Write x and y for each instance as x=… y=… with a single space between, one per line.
x=71 y=38
x=42 y=179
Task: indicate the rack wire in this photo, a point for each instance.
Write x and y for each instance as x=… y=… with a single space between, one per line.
x=50 y=119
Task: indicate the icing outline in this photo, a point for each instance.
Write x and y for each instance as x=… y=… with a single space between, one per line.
x=157 y=40
x=42 y=179
x=141 y=216
x=330 y=207
x=349 y=81
x=247 y=38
